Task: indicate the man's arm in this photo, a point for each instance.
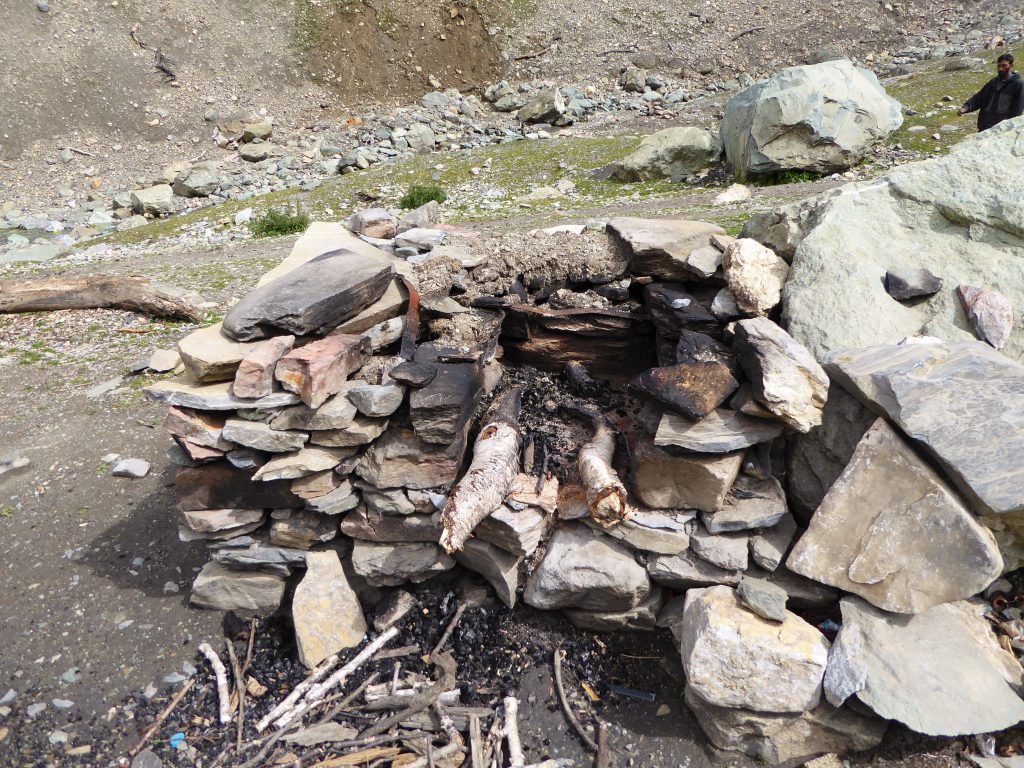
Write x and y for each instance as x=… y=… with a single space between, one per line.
x=975 y=102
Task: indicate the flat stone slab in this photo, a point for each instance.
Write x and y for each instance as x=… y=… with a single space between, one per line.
x=663 y=532
x=255 y=375
x=212 y=397
x=221 y=486
x=325 y=611
x=941 y=672
x=892 y=531
x=262 y=437
x=389 y=565
x=962 y=402
x=908 y=283
x=720 y=431
x=440 y=410
x=210 y=356
x=751 y=503
x=500 y=568
x=728 y=551
x=300 y=529
x=361 y=431
x=247 y=592
x=215 y=520
x=313 y=298
x=398 y=458
x=307 y=461
x=517 y=532
x=370 y=526
x=662 y=480
x=685 y=571
x=337 y=412
x=199 y=428
x=660 y=247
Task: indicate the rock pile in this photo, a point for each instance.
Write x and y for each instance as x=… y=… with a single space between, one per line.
x=324 y=441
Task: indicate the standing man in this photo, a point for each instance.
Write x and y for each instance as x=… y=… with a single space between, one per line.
x=1001 y=98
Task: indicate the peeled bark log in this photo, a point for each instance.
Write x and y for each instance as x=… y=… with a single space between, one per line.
x=135 y=294
x=490 y=475
x=606 y=495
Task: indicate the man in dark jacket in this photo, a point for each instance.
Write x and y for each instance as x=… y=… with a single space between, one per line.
x=1000 y=99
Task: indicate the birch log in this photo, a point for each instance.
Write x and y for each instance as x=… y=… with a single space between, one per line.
x=490 y=475
x=606 y=495
x=221 y=675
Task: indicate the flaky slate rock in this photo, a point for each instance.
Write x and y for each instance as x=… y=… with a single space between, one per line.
x=660 y=247
x=376 y=400
x=311 y=299
x=337 y=412
x=724 y=550
x=362 y=431
x=665 y=532
x=892 y=531
x=300 y=529
x=209 y=355
x=515 y=531
x=255 y=375
x=720 y=431
x=784 y=376
x=751 y=503
x=764 y=598
x=414 y=374
x=905 y=283
x=677 y=309
x=321 y=368
x=221 y=486
x=399 y=458
x=583 y=569
x=341 y=499
x=642 y=618
x=665 y=481
x=261 y=437
x=250 y=592
x=371 y=526
x=769 y=547
x=685 y=571
x=734 y=658
x=691 y=389
x=941 y=672
x=212 y=397
x=500 y=568
x=325 y=610
x=197 y=427
x=389 y=565
x=440 y=410
x=308 y=461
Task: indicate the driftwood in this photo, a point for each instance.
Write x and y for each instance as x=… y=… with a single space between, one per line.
x=606 y=495
x=135 y=294
x=223 y=696
x=490 y=475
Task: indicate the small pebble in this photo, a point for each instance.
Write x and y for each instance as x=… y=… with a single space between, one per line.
x=42 y=6
x=35 y=710
x=62 y=703
x=57 y=737
x=134 y=468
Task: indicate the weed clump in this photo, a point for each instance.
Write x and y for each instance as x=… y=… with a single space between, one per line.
x=421 y=194
x=274 y=223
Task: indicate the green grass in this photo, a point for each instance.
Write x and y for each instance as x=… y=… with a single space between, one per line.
x=275 y=223
x=785 y=177
x=421 y=194
x=7 y=510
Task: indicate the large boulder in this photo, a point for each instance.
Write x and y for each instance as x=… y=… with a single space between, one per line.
x=820 y=117
x=670 y=153
x=948 y=215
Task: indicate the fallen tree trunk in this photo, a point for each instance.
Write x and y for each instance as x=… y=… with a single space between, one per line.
x=490 y=475
x=135 y=294
x=606 y=495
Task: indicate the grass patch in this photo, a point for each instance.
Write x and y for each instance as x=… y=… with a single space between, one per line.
x=421 y=194
x=7 y=510
x=275 y=223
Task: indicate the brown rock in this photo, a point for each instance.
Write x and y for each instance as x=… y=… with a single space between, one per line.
x=301 y=530
x=317 y=485
x=211 y=356
x=368 y=526
x=990 y=313
x=660 y=247
x=319 y=369
x=398 y=458
x=197 y=427
x=664 y=481
x=325 y=610
x=692 y=389
x=255 y=375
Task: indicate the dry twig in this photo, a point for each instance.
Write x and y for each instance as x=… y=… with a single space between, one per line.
x=148 y=734
x=222 y=681
x=569 y=715
x=515 y=746
x=236 y=670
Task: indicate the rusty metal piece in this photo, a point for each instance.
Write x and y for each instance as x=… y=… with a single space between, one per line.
x=412 y=321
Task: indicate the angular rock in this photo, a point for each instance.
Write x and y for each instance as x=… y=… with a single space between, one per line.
x=247 y=593
x=369 y=526
x=734 y=658
x=642 y=618
x=220 y=486
x=394 y=502
x=990 y=313
x=664 y=481
x=321 y=368
x=164 y=360
x=388 y=565
x=962 y=402
x=301 y=530
x=422 y=239
x=210 y=356
x=256 y=153
x=500 y=568
x=804 y=594
x=751 y=503
x=199 y=453
x=318 y=485
x=199 y=428
x=307 y=461
x=782 y=739
x=679 y=310
x=720 y=431
x=891 y=531
x=212 y=397
x=725 y=550
x=413 y=374
x=583 y=569
x=768 y=547
x=341 y=499
x=337 y=412
x=705 y=261
x=670 y=153
x=784 y=376
x=376 y=400
x=261 y=437
x=361 y=431
x=660 y=248
x=154 y=201
x=516 y=532
x=755 y=276
x=941 y=672
x=312 y=298
x=134 y=468
x=255 y=553
x=255 y=375
x=764 y=598
x=398 y=458
x=440 y=411
x=198 y=181
x=692 y=389
x=325 y=611
x=658 y=531
x=425 y=216
x=216 y=520
x=911 y=283
x=546 y=107
x=392 y=609
x=373 y=222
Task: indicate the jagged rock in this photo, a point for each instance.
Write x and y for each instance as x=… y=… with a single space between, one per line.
x=325 y=611
x=768 y=547
x=784 y=376
x=803 y=593
x=665 y=481
x=246 y=592
x=197 y=181
x=518 y=532
x=154 y=201
x=307 y=461
x=212 y=397
x=755 y=276
x=891 y=531
x=720 y=431
x=312 y=298
x=373 y=222
x=784 y=739
x=341 y=499
x=424 y=217
x=211 y=356
x=670 y=153
x=685 y=571
x=659 y=248
x=500 y=568
x=911 y=283
x=734 y=658
x=398 y=458
x=376 y=400
x=392 y=609
x=728 y=551
x=395 y=502
x=301 y=530
x=423 y=239
x=255 y=375
x=318 y=485
x=261 y=437
x=764 y=598
x=583 y=569
x=643 y=617
x=421 y=138
x=199 y=428
x=734 y=193
x=388 y=565
x=941 y=672
x=321 y=368
x=705 y=261
x=990 y=313
x=440 y=411
x=220 y=486
x=659 y=531
x=217 y=520
x=679 y=310
x=802 y=118
x=361 y=524
x=751 y=503
x=337 y=412
x=692 y=389
x=546 y=107
x=413 y=374
x=361 y=431
x=251 y=552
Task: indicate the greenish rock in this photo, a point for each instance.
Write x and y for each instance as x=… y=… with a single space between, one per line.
x=670 y=153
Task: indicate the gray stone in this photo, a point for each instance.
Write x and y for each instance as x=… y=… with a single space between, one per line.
x=301 y=530
x=728 y=551
x=262 y=437
x=338 y=412
x=642 y=618
x=147 y=759
x=803 y=118
x=751 y=503
x=518 y=532
x=248 y=592
x=764 y=598
x=325 y=611
x=686 y=570
x=197 y=181
x=212 y=397
x=903 y=283
x=255 y=153
x=164 y=360
x=421 y=238
x=373 y=222
x=583 y=569
x=371 y=526
x=398 y=458
x=376 y=400
x=500 y=568
x=388 y=502
x=307 y=461
x=361 y=431
x=211 y=356
x=660 y=247
x=784 y=376
x=941 y=672
x=670 y=153
x=315 y=297
x=768 y=547
x=786 y=739
x=341 y=499
x=663 y=532
x=384 y=565
x=891 y=531
x=217 y=520
x=546 y=107
x=421 y=138
x=990 y=313
x=755 y=276
x=424 y=217
x=134 y=468
x=256 y=554
x=155 y=201
x=665 y=481
x=734 y=658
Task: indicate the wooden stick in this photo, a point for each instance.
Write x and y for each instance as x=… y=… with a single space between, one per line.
x=569 y=715
x=421 y=700
x=746 y=32
x=335 y=711
x=490 y=475
x=135 y=294
x=249 y=647
x=606 y=495
x=446 y=751
x=515 y=746
x=236 y=670
x=449 y=629
x=222 y=681
x=476 y=747
x=602 y=745
x=300 y=690
x=78 y=151
x=148 y=733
